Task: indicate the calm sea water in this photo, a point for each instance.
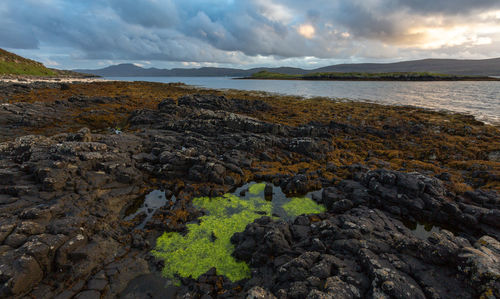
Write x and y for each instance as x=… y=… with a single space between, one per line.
x=481 y=98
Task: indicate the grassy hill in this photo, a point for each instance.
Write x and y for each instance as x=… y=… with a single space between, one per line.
x=357 y=76
x=12 y=64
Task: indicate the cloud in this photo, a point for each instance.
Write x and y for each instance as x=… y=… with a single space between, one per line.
x=246 y=32
x=16 y=36
x=147 y=13
x=306 y=30
x=448 y=6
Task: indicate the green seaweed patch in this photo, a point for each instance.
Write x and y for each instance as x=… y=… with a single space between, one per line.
x=302 y=205
x=207 y=243
x=256 y=189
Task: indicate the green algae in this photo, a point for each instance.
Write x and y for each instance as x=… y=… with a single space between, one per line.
x=302 y=205
x=255 y=189
x=207 y=243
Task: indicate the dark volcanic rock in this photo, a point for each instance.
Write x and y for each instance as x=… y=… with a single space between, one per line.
x=359 y=248
x=63 y=200
x=62 y=196
x=366 y=253
x=63 y=212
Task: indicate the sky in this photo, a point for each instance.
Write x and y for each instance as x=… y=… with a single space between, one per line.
x=69 y=34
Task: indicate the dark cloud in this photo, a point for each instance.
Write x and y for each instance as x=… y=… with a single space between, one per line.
x=363 y=22
x=160 y=14
x=231 y=31
x=448 y=6
x=16 y=36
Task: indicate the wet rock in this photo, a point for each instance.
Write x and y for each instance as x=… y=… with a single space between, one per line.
x=299 y=184
x=331 y=195
x=62 y=200
x=341 y=206
x=89 y=294
x=340 y=289
x=321 y=270
x=388 y=280
x=25 y=274
x=15 y=240
x=277 y=241
x=305 y=146
x=259 y=293
x=69 y=247
x=494 y=156
x=298 y=290
x=482 y=264
x=5 y=230
x=315 y=294
x=30 y=228
x=365 y=252
x=40 y=251
x=82 y=135
x=492 y=218
x=268 y=191
x=97 y=284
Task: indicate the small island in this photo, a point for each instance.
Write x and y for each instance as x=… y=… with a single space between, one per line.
x=358 y=76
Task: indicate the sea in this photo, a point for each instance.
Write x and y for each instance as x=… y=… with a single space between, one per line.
x=478 y=98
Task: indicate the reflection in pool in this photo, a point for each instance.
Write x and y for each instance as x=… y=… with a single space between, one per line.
x=207 y=243
x=422 y=230
x=152 y=202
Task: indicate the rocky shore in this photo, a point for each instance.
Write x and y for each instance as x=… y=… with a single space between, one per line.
x=76 y=159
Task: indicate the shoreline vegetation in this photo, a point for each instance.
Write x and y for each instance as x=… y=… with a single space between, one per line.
x=359 y=76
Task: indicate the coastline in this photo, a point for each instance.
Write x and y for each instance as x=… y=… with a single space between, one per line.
x=73 y=159
x=30 y=80
x=388 y=79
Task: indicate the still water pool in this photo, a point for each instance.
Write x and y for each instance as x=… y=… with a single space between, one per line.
x=207 y=242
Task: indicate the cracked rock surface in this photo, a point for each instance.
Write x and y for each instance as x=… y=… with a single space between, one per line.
x=64 y=197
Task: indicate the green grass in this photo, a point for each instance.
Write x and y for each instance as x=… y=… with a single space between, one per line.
x=398 y=76
x=11 y=68
x=12 y=64
x=207 y=243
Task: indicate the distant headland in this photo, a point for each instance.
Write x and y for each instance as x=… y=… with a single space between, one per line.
x=358 y=76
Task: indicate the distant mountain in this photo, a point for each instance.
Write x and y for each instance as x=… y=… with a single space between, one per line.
x=12 y=64
x=486 y=67
x=131 y=70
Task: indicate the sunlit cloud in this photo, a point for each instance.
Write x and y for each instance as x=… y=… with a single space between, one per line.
x=483 y=41
x=439 y=37
x=306 y=30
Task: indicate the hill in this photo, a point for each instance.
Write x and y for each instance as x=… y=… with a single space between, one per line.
x=12 y=64
x=486 y=67
x=15 y=65
x=131 y=70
